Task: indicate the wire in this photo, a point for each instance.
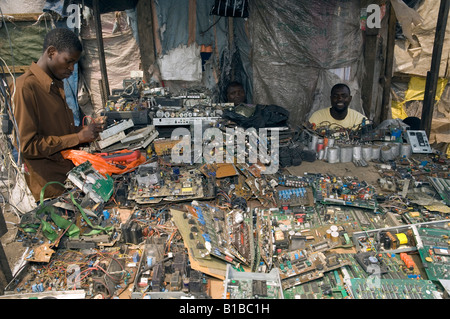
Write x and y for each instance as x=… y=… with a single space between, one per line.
x=202 y=33
x=9 y=39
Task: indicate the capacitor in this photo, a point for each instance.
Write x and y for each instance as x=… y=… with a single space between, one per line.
x=331 y=142
x=313 y=142
x=387 y=242
x=405 y=150
x=321 y=154
x=325 y=153
x=386 y=153
x=333 y=155
x=366 y=151
x=334 y=237
x=395 y=149
x=346 y=154
x=357 y=152
x=238 y=218
x=105 y=214
x=319 y=145
x=376 y=152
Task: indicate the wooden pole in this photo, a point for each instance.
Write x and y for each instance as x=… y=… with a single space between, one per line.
x=146 y=41
x=101 y=51
x=433 y=74
x=389 y=65
x=371 y=48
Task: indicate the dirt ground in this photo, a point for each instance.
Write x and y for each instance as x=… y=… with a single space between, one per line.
x=16 y=252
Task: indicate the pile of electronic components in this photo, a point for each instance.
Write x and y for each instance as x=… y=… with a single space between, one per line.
x=163 y=230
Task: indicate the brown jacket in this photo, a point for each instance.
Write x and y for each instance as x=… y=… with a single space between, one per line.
x=46 y=126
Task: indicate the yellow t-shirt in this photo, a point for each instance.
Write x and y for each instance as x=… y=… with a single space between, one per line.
x=323 y=118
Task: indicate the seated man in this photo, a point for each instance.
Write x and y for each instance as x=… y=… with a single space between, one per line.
x=338 y=114
x=235 y=93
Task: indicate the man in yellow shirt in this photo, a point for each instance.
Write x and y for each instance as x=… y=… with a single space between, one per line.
x=338 y=115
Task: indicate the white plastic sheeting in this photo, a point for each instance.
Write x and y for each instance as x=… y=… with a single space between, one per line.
x=182 y=63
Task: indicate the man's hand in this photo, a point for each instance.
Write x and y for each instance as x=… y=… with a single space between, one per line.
x=90 y=132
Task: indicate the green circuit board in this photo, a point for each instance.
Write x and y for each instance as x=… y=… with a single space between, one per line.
x=327 y=287
x=393 y=289
x=395 y=268
x=435 y=253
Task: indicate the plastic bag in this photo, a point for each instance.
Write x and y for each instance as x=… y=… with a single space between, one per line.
x=99 y=163
x=406 y=16
x=263 y=116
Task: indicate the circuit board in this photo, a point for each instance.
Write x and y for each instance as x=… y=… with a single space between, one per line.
x=393 y=239
x=386 y=266
x=264 y=233
x=291 y=197
x=213 y=232
x=435 y=252
x=96 y=186
x=189 y=227
x=239 y=236
x=442 y=186
x=251 y=285
x=172 y=186
x=345 y=192
x=251 y=289
x=393 y=289
x=298 y=267
x=327 y=287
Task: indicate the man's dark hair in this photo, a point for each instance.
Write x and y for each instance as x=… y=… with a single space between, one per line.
x=62 y=39
x=340 y=85
x=234 y=84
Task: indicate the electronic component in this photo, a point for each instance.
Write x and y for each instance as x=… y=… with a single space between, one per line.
x=418 y=141
x=393 y=289
x=135 y=139
x=92 y=183
x=300 y=266
x=172 y=121
x=132 y=232
x=174 y=185
x=116 y=128
x=251 y=285
x=442 y=187
x=346 y=192
x=301 y=196
x=264 y=236
x=371 y=263
x=434 y=250
x=113 y=133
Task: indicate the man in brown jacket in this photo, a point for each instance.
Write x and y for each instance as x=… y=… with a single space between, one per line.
x=45 y=121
